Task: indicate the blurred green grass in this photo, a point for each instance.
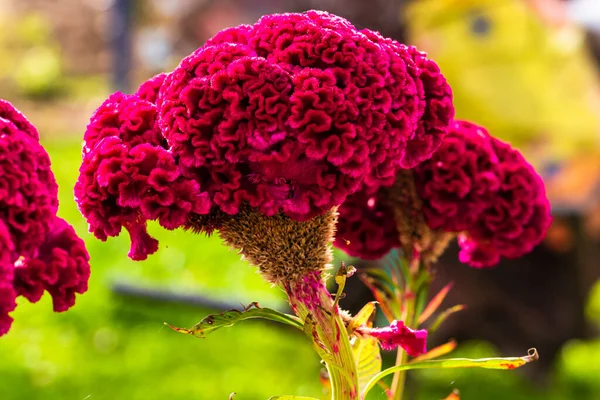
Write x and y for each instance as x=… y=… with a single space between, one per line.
x=114 y=347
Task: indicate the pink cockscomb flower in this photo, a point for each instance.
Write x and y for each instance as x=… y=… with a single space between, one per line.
x=28 y=191
x=7 y=291
x=10 y=113
x=38 y=251
x=292 y=113
x=475 y=186
x=61 y=268
x=414 y=342
x=367 y=228
x=516 y=220
x=148 y=90
x=127 y=178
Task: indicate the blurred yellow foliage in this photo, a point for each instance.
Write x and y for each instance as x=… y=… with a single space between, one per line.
x=529 y=81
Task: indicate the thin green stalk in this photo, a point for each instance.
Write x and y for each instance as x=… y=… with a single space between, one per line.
x=399 y=379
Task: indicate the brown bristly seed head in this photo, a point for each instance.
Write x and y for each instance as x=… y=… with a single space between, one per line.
x=283 y=249
x=410 y=221
x=208 y=223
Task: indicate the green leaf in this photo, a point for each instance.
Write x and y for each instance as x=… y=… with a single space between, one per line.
x=368 y=359
x=444 y=316
x=287 y=397
x=488 y=363
x=364 y=317
x=214 y=322
x=435 y=303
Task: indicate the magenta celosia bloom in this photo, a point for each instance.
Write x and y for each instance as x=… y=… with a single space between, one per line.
x=10 y=113
x=414 y=342
x=7 y=291
x=148 y=90
x=460 y=181
x=126 y=117
x=367 y=228
x=38 y=251
x=292 y=113
x=516 y=220
x=474 y=185
x=28 y=191
x=127 y=178
x=61 y=268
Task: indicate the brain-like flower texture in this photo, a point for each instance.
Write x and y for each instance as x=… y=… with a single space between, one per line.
x=289 y=115
x=38 y=251
x=474 y=185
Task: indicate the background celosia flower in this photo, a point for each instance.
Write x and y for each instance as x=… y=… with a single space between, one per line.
x=127 y=178
x=291 y=114
x=7 y=291
x=61 y=268
x=474 y=185
x=38 y=251
x=28 y=191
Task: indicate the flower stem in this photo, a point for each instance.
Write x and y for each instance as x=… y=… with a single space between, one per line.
x=324 y=324
x=399 y=380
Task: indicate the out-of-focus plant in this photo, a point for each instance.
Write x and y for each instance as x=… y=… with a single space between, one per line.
x=264 y=132
x=39 y=252
x=32 y=61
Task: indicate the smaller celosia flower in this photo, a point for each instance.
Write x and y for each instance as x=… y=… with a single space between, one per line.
x=414 y=342
x=475 y=186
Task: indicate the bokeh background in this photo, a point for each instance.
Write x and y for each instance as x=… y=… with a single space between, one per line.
x=526 y=69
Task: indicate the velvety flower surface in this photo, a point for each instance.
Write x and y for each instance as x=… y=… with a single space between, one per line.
x=62 y=268
x=292 y=113
x=121 y=186
x=7 y=291
x=368 y=229
x=461 y=179
x=474 y=185
x=148 y=90
x=38 y=251
x=414 y=342
x=127 y=117
x=28 y=191
x=127 y=178
x=516 y=220
x=10 y=113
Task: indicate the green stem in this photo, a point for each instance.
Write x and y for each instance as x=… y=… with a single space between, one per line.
x=332 y=342
x=399 y=380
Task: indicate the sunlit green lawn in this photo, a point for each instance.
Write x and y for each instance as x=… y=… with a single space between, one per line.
x=114 y=347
